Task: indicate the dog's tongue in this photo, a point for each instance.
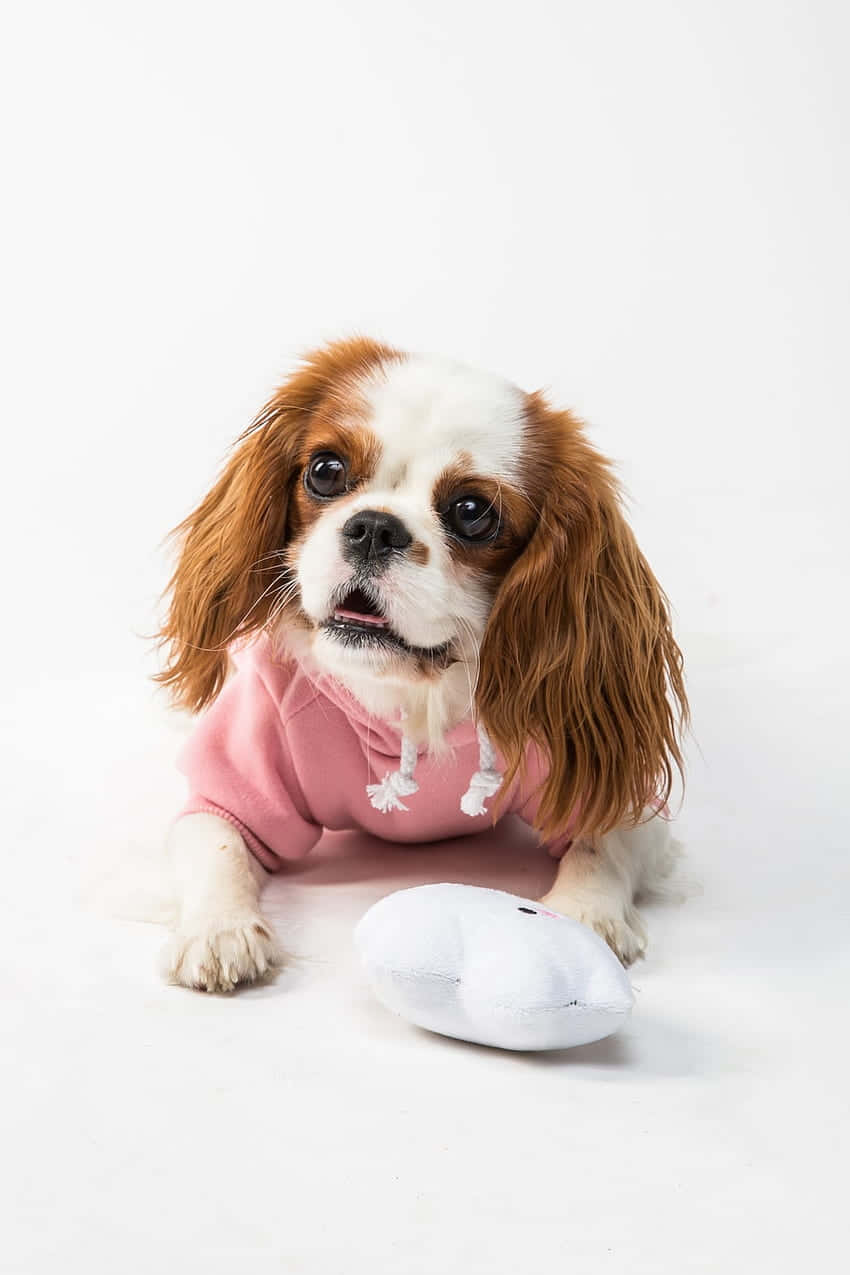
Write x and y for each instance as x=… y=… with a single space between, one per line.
x=377 y=621
x=361 y=610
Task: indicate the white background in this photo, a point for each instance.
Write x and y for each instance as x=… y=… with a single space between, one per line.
x=642 y=207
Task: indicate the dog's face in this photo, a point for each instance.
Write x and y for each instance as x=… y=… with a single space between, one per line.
x=400 y=517
x=410 y=505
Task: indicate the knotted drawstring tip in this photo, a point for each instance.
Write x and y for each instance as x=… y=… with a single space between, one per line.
x=483 y=784
x=386 y=795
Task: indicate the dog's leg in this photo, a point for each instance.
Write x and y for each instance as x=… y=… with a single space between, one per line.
x=221 y=937
x=598 y=882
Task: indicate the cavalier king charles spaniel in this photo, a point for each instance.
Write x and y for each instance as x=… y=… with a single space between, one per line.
x=411 y=605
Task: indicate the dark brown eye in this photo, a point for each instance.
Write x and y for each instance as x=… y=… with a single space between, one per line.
x=472 y=518
x=326 y=475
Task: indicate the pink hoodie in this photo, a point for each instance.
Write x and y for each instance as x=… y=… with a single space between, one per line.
x=283 y=754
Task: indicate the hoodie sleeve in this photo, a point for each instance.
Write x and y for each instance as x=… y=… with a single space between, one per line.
x=238 y=766
x=526 y=803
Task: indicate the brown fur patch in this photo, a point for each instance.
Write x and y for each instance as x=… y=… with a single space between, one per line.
x=419 y=553
x=334 y=428
x=232 y=543
x=516 y=516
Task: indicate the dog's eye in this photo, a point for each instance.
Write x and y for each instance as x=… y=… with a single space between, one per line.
x=326 y=475
x=472 y=518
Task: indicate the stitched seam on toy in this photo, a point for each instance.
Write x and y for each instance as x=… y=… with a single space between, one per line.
x=554 y=1009
x=393 y=969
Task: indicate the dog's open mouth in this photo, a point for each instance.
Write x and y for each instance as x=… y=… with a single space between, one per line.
x=358 y=621
x=359 y=610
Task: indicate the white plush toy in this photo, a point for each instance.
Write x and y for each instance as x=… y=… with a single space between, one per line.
x=489 y=967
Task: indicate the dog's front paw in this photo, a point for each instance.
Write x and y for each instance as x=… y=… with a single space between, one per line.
x=620 y=927
x=216 y=954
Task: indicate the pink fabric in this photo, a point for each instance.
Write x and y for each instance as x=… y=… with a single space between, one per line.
x=283 y=755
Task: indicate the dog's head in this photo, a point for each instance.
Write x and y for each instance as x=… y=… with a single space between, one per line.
x=401 y=518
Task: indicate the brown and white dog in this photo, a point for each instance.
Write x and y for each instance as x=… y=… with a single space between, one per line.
x=510 y=590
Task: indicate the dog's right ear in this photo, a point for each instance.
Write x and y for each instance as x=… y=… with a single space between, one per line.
x=220 y=588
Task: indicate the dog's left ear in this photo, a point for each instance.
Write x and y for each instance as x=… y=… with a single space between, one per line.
x=226 y=547
x=578 y=656
x=220 y=588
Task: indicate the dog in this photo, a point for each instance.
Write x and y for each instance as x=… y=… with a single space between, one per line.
x=411 y=604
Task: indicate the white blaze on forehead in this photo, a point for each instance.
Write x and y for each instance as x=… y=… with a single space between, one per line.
x=426 y=411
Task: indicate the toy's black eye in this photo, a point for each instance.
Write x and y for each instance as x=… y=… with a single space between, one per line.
x=530 y=911
x=326 y=475
x=472 y=518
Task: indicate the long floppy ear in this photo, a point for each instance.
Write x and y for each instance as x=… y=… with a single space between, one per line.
x=220 y=587
x=578 y=655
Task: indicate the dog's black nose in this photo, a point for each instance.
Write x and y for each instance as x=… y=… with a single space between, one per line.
x=371 y=533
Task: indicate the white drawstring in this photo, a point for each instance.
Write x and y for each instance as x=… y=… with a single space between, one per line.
x=387 y=795
x=486 y=781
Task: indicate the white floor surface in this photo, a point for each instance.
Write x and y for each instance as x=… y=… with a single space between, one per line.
x=300 y=1128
